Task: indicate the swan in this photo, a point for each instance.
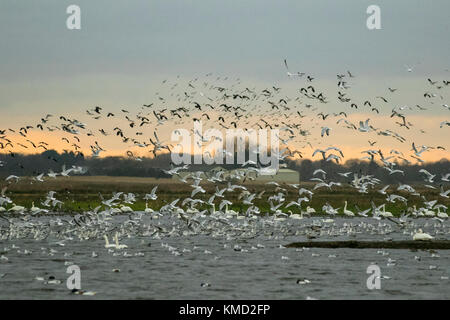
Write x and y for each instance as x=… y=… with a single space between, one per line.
x=420 y=235
x=17 y=208
x=441 y=215
x=385 y=213
x=277 y=217
x=115 y=210
x=33 y=208
x=125 y=209
x=119 y=246
x=147 y=209
x=107 y=244
x=429 y=213
x=37 y=210
x=192 y=210
x=348 y=212
x=295 y=216
x=232 y=212
x=310 y=210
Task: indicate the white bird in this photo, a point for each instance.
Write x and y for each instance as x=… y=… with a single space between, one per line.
x=119 y=246
x=147 y=209
x=107 y=244
x=15 y=208
x=346 y=211
x=125 y=209
x=298 y=74
x=152 y=195
x=420 y=235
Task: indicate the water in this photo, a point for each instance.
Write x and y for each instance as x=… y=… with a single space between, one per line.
x=255 y=272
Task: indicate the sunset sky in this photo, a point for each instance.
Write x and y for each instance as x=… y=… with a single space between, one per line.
x=125 y=50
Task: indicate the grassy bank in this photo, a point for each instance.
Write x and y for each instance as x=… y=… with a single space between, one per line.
x=81 y=193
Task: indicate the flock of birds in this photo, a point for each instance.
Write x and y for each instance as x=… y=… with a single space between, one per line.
x=230 y=107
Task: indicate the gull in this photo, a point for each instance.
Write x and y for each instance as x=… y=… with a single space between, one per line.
x=319 y=151
x=325 y=130
x=324 y=184
x=152 y=195
x=219 y=193
x=364 y=126
x=320 y=171
x=12 y=177
x=362 y=213
x=297 y=203
x=197 y=190
x=336 y=149
x=393 y=197
x=175 y=170
x=39 y=177
x=392 y=171
x=51 y=174
x=444 y=193
x=333 y=157
x=444 y=123
x=64 y=172
x=298 y=74
x=418 y=153
x=430 y=176
x=303 y=190
x=344 y=174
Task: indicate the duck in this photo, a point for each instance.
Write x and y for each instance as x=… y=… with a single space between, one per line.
x=83 y=293
x=420 y=235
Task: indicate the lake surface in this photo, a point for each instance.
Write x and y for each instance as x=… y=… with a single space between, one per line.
x=175 y=267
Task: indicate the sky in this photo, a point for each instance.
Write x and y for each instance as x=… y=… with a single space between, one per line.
x=125 y=49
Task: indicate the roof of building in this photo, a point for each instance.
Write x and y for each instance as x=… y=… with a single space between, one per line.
x=287 y=171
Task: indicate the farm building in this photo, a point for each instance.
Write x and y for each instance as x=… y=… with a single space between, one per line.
x=283 y=175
